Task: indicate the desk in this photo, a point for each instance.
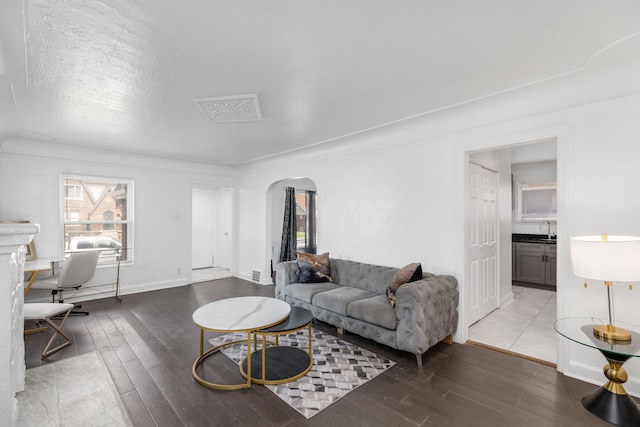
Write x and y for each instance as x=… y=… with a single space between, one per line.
x=611 y=401
x=240 y=314
x=35 y=266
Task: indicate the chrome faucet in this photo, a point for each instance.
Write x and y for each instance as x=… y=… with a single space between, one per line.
x=548 y=230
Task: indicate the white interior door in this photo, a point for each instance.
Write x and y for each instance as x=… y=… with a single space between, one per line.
x=203 y=220
x=483 y=248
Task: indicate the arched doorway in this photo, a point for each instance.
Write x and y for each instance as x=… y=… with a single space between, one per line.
x=275 y=213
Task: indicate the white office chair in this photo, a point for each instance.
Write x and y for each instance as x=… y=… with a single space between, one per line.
x=77 y=270
x=46 y=311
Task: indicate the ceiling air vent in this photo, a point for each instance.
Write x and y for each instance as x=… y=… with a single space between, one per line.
x=230 y=109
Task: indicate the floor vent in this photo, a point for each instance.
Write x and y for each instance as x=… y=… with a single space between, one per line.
x=256 y=276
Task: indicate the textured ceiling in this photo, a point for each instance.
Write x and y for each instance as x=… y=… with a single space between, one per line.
x=124 y=74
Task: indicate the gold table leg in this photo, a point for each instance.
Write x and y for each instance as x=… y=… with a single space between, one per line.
x=264 y=358
x=40 y=328
x=204 y=355
x=32 y=278
x=263 y=380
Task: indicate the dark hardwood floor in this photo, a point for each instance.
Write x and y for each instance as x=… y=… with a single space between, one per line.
x=149 y=343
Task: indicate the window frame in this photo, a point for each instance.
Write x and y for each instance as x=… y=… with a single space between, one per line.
x=66 y=192
x=310 y=244
x=522 y=188
x=128 y=221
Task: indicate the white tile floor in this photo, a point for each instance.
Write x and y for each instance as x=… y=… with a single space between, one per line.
x=525 y=326
x=75 y=392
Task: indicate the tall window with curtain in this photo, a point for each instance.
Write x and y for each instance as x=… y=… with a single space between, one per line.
x=289 y=243
x=306 y=221
x=299 y=224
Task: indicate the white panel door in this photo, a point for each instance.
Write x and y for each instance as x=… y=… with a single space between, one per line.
x=203 y=210
x=483 y=249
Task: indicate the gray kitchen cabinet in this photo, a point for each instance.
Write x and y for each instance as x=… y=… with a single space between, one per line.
x=551 y=261
x=513 y=261
x=536 y=263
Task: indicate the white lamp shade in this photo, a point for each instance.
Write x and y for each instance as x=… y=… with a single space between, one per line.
x=616 y=260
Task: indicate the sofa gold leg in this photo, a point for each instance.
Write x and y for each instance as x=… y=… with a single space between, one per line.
x=448 y=339
x=419 y=360
x=340 y=330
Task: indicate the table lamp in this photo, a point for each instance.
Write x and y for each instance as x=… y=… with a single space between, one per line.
x=610 y=259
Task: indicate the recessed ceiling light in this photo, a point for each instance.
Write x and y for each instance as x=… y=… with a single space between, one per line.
x=229 y=109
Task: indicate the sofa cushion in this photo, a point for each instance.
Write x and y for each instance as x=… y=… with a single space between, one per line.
x=306 y=291
x=375 y=310
x=314 y=268
x=372 y=278
x=408 y=273
x=338 y=299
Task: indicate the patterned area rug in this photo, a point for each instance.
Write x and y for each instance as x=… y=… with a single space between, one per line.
x=338 y=368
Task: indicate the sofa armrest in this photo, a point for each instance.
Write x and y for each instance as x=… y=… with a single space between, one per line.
x=286 y=273
x=427 y=312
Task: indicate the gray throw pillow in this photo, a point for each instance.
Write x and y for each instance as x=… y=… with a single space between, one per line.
x=408 y=273
x=314 y=268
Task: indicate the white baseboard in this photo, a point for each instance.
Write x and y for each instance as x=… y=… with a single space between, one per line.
x=264 y=280
x=93 y=292
x=593 y=375
x=506 y=300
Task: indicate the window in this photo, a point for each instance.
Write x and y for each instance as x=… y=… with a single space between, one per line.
x=107 y=216
x=537 y=201
x=72 y=191
x=73 y=215
x=306 y=221
x=97 y=216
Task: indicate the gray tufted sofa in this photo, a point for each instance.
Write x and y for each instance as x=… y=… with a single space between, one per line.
x=426 y=310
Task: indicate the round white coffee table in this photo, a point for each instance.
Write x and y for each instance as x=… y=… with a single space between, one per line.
x=240 y=314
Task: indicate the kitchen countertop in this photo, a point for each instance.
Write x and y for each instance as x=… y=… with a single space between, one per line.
x=533 y=238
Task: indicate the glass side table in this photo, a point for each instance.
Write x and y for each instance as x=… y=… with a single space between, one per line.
x=611 y=401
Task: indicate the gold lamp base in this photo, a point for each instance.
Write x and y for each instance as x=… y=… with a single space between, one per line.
x=610 y=332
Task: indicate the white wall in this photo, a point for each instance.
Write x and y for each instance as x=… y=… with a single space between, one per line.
x=30 y=189
x=356 y=216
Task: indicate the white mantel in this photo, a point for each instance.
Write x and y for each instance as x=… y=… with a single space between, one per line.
x=13 y=237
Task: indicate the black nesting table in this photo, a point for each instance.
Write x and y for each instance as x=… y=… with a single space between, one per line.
x=277 y=364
